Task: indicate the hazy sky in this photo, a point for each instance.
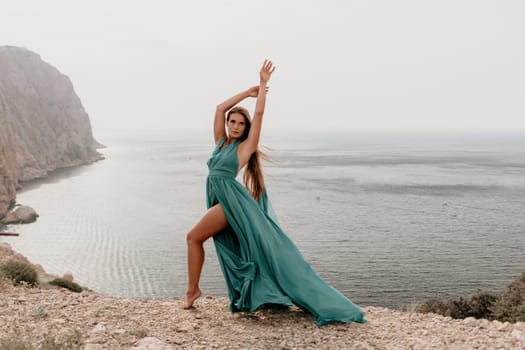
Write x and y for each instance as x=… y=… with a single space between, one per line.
x=447 y=64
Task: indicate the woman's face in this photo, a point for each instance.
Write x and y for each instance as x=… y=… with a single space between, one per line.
x=236 y=125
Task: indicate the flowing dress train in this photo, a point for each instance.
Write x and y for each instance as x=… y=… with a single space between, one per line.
x=261 y=265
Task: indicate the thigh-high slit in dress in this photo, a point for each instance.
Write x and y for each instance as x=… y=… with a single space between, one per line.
x=261 y=265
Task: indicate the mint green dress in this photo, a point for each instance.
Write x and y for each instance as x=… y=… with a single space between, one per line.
x=261 y=265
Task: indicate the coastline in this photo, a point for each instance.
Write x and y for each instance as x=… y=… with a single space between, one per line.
x=102 y=322
x=53 y=176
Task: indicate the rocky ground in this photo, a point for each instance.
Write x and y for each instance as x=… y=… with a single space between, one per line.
x=88 y=320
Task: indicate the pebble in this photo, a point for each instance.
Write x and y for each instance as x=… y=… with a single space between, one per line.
x=518 y=335
x=470 y=321
x=99 y=328
x=151 y=343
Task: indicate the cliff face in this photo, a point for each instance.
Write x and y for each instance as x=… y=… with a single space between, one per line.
x=43 y=125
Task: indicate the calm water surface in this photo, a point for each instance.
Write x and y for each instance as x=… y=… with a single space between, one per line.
x=389 y=219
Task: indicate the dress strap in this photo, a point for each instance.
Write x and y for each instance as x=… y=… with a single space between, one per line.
x=219 y=144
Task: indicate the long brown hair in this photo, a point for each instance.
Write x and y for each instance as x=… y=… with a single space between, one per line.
x=253 y=175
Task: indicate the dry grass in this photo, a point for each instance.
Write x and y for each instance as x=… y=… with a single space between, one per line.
x=19 y=272
x=506 y=307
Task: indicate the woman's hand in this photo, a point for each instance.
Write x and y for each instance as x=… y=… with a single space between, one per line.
x=254 y=91
x=266 y=71
x=248 y=146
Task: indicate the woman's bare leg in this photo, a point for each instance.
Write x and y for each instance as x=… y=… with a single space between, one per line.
x=212 y=222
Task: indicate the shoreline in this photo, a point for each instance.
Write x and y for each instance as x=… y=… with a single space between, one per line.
x=52 y=177
x=97 y=321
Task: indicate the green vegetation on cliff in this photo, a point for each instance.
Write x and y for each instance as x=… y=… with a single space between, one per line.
x=508 y=306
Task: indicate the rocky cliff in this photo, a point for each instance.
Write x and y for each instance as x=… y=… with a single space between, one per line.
x=43 y=125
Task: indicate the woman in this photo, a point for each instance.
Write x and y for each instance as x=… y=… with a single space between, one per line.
x=261 y=265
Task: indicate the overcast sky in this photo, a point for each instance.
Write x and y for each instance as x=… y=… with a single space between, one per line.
x=447 y=64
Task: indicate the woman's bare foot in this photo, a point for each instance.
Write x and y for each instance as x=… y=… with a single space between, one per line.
x=190 y=299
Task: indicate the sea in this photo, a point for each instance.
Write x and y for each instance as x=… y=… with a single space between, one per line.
x=389 y=218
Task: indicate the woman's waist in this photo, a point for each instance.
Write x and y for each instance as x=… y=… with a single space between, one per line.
x=221 y=173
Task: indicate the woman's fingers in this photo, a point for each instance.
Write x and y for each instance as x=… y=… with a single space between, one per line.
x=267 y=64
x=267 y=69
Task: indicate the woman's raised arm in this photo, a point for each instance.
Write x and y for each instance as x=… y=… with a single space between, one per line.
x=219 y=129
x=250 y=144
